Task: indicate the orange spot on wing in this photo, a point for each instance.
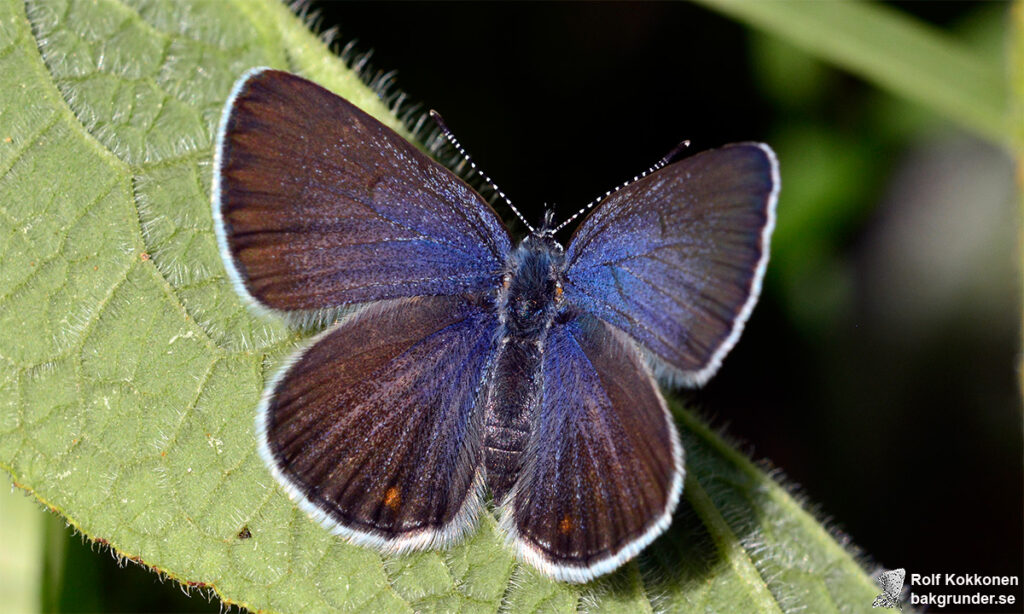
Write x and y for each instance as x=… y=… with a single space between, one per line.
x=392 y=498
x=566 y=525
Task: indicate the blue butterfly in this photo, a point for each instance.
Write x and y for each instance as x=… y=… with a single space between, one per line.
x=461 y=362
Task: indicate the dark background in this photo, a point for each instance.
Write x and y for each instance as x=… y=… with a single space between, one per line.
x=878 y=370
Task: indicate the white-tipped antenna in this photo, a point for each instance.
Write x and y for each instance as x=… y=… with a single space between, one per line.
x=657 y=165
x=462 y=152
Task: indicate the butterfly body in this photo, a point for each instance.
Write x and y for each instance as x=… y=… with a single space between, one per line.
x=463 y=362
x=528 y=302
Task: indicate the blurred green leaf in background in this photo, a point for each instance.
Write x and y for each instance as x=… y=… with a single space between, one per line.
x=130 y=370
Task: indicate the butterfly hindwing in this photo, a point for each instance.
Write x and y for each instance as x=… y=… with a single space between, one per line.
x=317 y=205
x=676 y=258
x=604 y=467
x=372 y=427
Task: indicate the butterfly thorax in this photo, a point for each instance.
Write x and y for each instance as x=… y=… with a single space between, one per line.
x=531 y=292
x=528 y=301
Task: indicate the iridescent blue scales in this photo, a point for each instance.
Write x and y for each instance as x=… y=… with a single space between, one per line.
x=460 y=365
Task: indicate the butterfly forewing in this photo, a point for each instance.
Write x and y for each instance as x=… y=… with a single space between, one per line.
x=318 y=205
x=604 y=466
x=676 y=259
x=372 y=428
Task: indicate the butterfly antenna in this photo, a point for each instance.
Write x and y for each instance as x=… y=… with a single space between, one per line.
x=462 y=152
x=670 y=157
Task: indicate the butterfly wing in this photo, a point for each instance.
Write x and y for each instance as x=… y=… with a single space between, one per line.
x=604 y=467
x=318 y=205
x=371 y=428
x=676 y=258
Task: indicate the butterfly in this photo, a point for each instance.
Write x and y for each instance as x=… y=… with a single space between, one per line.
x=463 y=362
x=891 y=582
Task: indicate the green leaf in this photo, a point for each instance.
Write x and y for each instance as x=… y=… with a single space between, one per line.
x=892 y=50
x=1016 y=62
x=21 y=562
x=130 y=370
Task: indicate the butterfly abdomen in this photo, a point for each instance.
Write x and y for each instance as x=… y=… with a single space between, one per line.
x=510 y=407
